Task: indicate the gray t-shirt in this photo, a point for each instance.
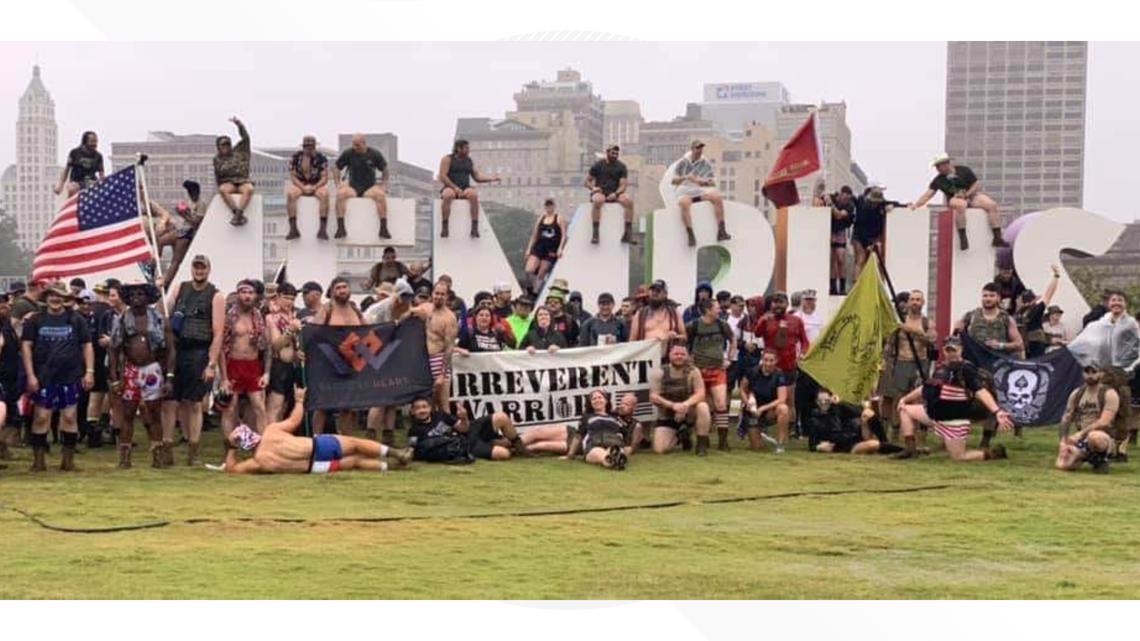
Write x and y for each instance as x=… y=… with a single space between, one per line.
x=380 y=312
x=596 y=331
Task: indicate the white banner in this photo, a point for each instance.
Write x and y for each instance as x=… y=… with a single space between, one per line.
x=543 y=388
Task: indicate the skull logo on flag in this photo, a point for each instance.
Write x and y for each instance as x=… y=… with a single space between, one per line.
x=1022 y=388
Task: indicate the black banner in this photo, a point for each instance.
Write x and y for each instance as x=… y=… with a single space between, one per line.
x=366 y=365
x=1033 y=391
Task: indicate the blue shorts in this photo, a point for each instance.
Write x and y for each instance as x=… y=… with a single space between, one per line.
x=326 y=454
x=57 y=397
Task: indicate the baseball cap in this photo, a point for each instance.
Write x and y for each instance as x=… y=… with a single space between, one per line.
x=605 y=297
x=16 y=287
x=808 y=293
x=501 y=286
x=200 y=259
x=696 y=143
x=576 y=296
x=613 y=145
x=101 y=287
x=525 y=300
x=385 y=290
x=312 y=286
x=87 y=296
x=659 y=284
x=940 y=158
x=952 y=341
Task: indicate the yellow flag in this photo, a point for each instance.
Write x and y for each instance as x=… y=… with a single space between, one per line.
x=846 y=357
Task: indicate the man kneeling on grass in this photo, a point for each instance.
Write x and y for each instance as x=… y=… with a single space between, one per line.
x=279 y=451
x=1094 y=409
x=946 y=403
x=438 y=437
x=833 y=427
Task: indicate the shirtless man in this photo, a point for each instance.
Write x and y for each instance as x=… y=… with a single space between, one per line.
x=279 y=451
x=284 y=337
x=340 y=311
x=442 y=330
x=140 y=338
x=247 y=358
x=660 y=319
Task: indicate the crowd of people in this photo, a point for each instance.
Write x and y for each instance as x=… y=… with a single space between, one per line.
x=81 y=363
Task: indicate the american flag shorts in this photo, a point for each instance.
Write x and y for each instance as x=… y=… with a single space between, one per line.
x=956 y=430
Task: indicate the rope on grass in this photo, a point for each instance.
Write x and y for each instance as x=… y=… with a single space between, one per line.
x=398 y=519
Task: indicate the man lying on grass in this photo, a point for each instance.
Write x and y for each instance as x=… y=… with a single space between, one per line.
x=834 y=427
x=279 y=451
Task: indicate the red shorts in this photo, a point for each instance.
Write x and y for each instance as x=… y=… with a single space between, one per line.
x=714 y=376
x=244 y=376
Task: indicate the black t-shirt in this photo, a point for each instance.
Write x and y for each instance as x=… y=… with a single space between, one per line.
x=765 y=387
x=849 y=207
x=566 y=326
x=84 y=165
x=440 y=424
x=870 y=218
x=961 y=179
x=839 y=425
x=607 y=175
x=362 y=168
x=57 y=350
x=949 y=393
x=9 y=354
x=476 y=341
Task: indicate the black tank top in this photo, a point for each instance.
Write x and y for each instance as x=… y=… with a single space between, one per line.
x=549 y=235
x=460 y=170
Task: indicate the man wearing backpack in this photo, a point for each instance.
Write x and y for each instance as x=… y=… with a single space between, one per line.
x=1094 y=409
x=993 y=327
x=197 y=318
x=709 y=338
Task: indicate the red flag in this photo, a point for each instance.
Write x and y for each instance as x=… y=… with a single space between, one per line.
x=799 y=157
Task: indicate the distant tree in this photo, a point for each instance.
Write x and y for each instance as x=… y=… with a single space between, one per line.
x=513 y=227
x=14 y=261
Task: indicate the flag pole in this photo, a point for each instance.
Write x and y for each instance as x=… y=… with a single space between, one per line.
x=902 y=317
x=152 y=239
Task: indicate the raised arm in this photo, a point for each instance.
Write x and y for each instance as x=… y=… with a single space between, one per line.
x=243 y=144
x=295 y=418
x=1051 y=288
x=923 y=199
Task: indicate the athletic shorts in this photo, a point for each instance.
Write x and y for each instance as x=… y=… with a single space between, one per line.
x=326 y=454
x=713 y=376
x=244 y=375
x=671 y=423
x=957 y=430
x=867 y=241
x=142 y=383
x=839 y=239
x=58 y=396
x=282 y=377
x=189 y=364
x=101 y=372
x=439 y=365
x=481 y=437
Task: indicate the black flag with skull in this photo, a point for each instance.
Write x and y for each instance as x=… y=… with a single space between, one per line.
x=1034 y=391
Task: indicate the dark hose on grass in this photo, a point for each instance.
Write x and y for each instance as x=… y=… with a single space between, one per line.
x=396 y=519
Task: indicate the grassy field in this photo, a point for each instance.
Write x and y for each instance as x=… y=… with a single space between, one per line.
x=1006 y=529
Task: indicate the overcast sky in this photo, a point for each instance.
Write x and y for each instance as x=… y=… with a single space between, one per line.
x=894 y=93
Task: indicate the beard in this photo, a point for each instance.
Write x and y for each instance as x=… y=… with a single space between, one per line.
x=341 y=300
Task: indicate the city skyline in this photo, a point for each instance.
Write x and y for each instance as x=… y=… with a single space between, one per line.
x=895 y=129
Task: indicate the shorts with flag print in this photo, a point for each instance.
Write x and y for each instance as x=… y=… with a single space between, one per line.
x=957 y=430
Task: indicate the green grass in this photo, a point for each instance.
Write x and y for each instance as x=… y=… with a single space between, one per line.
x=1005 y=529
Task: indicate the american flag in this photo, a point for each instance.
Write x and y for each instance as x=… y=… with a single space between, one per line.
x=96 y=230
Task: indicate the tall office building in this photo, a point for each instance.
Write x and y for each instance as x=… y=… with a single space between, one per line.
x=568 y=93
x=623 y=122
x=1015 y=114
x=733 y=107
x=26 y=187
